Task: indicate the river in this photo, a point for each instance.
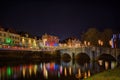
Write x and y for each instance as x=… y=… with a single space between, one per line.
x=51 y=70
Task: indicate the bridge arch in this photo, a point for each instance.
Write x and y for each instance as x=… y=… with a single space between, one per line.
x=66 y=57
x=106 y=57
x=82 y=58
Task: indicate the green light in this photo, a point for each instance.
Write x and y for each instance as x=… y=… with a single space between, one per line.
x=9 y=71
x=9 y=41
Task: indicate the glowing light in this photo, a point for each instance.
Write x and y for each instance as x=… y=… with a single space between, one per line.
x=56 y=67
x=52 y=66
x=34 y=43
x=89 y=73
x=65 y=71
x=106 y=65
x=45 y=72
x=100 y=42
x=23 y=41
x=88 y=43
x=70 y=70
x=30 y=70
x=113 y=65
x=55 y=44
x=35 y=69
x=61 y=68
x=48 y=66
x=85 y=75
x=79 y=74
x=9 y=41
x=110 y=42
x=41 y=66
x=44 y=41
x=100 y=62
x=9 y=71
x=24 y=71
x=85 y=42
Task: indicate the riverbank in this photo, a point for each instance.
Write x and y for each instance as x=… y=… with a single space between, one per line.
x=113 y=74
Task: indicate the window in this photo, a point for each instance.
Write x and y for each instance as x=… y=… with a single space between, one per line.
x=4 y=35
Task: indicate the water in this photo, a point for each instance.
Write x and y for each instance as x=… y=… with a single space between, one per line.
x=51 y=70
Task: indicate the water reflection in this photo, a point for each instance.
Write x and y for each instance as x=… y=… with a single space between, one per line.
x=54 y=70
x=106 y=65
x=78 y=75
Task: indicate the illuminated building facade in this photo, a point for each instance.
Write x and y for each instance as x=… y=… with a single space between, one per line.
x=49 y=40
x=73 y=43
x=28 y=42
x=40 y=43
x=8 y=38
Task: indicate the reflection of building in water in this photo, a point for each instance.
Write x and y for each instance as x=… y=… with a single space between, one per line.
x=45 y=72
x=24 y=71
x=113 y=64
x=100 y=62
x=85 y=75
x=30 y=70
x=106 y=65
x=35 y=69
x=65 y=71
x=78 y=75
x=89 y=73
x=70 y=70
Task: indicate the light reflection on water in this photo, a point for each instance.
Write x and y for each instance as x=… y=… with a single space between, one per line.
x=54 y=70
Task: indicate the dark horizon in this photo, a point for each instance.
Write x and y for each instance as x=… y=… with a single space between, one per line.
x=60 y=18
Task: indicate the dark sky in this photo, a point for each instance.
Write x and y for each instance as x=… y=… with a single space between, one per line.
x=58 y=17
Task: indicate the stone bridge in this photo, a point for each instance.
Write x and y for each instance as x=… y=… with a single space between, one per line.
x=92 y=52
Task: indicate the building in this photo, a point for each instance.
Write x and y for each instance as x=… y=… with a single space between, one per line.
x=50 y=41
x=10 y=38
x=73 y=43
x=28 y=42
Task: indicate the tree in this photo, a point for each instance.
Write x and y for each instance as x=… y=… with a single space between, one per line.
x=106 y=36
x=92 y=35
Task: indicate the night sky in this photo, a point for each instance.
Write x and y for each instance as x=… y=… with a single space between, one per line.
x=60 y=18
